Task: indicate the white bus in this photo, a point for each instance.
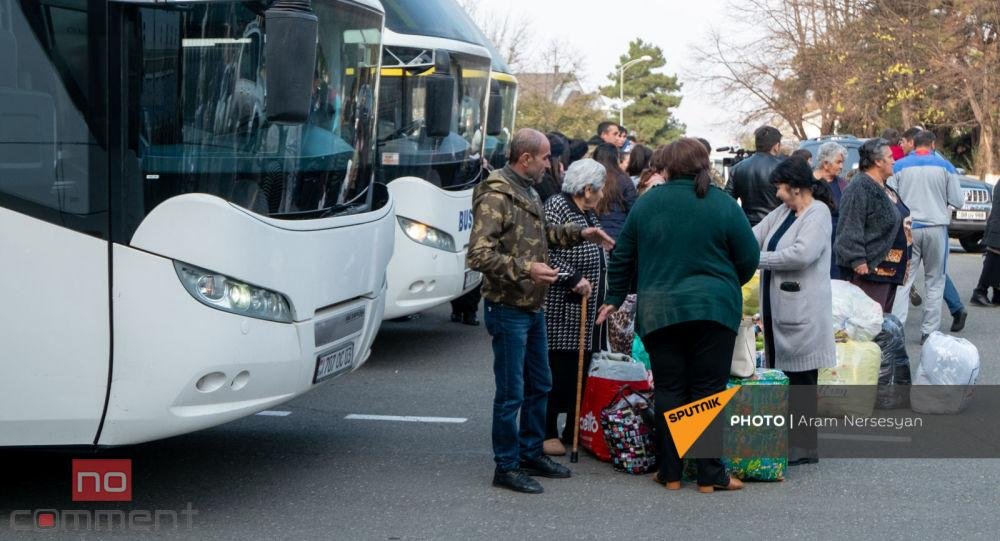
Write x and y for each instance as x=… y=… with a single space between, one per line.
x=431 y=134
x=189 y=227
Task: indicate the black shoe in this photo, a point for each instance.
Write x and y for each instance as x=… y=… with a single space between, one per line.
x=923 y=338
x=469 y=318
x=915 y=299
x=456 y=317
x=979 y=298
x=518 y=481
x=996 y=296
x=544 y=466
x=958 y=321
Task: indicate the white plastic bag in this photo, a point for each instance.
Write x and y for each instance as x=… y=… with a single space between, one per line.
x=949 y=367
x=617 y=367
x=854 y=312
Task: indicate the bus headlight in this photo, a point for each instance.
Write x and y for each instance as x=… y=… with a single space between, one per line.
x=427 y=235
x=224 y=293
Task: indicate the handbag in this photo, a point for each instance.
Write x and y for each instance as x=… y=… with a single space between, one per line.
x=621 y=326
x=627 y=424
x=745 y=352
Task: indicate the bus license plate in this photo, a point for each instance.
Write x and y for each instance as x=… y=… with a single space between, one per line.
x=471 y=277
x=334 y=363
x=971 y=215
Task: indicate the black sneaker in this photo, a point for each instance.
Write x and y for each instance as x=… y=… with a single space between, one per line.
x=518 y=481
x=470 y=318
x=456 y=317
x=544 y=466
x=958 y=321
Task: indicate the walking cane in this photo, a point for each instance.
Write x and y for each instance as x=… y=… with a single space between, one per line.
x=574 y=456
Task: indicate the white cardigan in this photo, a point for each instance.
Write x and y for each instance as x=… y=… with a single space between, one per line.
x=801 y=321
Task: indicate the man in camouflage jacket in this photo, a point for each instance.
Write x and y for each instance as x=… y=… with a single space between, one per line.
x=509 y=245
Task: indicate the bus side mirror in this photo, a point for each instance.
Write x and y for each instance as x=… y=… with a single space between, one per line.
x=291 y=31
x=494 y=121
x=438 y=105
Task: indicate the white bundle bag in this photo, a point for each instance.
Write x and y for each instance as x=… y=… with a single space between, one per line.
x=949 y=367
x=854 y=312
x=616 y=366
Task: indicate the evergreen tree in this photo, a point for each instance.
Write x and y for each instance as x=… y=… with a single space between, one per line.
x=651 y=97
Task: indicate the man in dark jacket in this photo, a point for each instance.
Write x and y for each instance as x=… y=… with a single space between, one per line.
x=510 y=246
x=991 y=264
x=750 y=180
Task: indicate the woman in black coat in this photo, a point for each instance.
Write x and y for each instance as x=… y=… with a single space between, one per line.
x=581 y=275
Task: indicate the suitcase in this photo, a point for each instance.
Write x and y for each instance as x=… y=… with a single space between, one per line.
x=765 y=468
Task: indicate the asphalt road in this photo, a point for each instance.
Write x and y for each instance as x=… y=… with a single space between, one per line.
x=316 y=474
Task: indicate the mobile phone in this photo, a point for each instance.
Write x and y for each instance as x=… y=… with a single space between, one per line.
x=563 y=275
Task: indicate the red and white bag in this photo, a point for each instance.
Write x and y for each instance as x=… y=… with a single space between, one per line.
x=609 y=373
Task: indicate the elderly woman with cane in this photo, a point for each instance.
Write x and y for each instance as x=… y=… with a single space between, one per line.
x=581 y=270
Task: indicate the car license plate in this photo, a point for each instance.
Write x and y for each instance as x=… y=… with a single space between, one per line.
x=334 y=363
x=471 y=278
x=971 y=215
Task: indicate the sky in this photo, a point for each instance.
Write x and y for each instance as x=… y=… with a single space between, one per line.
x=601 y=31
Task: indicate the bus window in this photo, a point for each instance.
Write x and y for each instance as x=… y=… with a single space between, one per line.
x=46 y=144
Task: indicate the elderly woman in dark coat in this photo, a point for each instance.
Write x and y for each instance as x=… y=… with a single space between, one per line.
x=873 y=231
x=581 y=270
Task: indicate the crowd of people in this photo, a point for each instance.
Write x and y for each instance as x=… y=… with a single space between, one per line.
x=566 y=226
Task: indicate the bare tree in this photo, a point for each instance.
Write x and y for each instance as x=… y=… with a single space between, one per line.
x=791 y=68
x=510 y=32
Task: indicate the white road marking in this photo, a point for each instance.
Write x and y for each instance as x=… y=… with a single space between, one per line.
x=406 y=418
x=272 y=413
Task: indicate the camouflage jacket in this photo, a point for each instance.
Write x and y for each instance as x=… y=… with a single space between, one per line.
x=509 y=233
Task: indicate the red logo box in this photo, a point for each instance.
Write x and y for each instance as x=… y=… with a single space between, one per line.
x=102 y=480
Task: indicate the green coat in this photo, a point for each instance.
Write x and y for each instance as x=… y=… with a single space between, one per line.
x=509 y=233
x=689 y=255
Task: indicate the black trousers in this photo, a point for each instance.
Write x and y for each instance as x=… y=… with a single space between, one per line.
x=690 y=361
x=468 y=303
x=802 y=441
x=562 y=398
x=990 y=277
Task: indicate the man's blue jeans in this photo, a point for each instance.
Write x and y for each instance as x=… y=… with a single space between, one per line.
x=951 y=297
x=523 y=380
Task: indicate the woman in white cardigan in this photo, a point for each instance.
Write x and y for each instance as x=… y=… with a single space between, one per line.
x=796 y=303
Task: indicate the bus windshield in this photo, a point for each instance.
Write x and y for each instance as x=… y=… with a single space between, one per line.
x=496 y=145
x=197 y=120
x=453 y=161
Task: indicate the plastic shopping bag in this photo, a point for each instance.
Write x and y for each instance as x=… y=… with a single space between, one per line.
x=609 y=373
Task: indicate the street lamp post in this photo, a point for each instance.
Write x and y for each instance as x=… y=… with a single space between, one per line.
x=621 y=84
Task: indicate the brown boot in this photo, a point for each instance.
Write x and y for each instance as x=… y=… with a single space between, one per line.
x=733 y=484
x=553 y=447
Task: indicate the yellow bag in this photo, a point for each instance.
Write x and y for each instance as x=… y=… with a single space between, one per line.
x=751 y=295
x=857 y=367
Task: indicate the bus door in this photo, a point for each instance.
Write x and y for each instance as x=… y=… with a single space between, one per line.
x=54 y=238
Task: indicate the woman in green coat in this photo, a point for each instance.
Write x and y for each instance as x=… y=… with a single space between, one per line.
x=689 y=248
